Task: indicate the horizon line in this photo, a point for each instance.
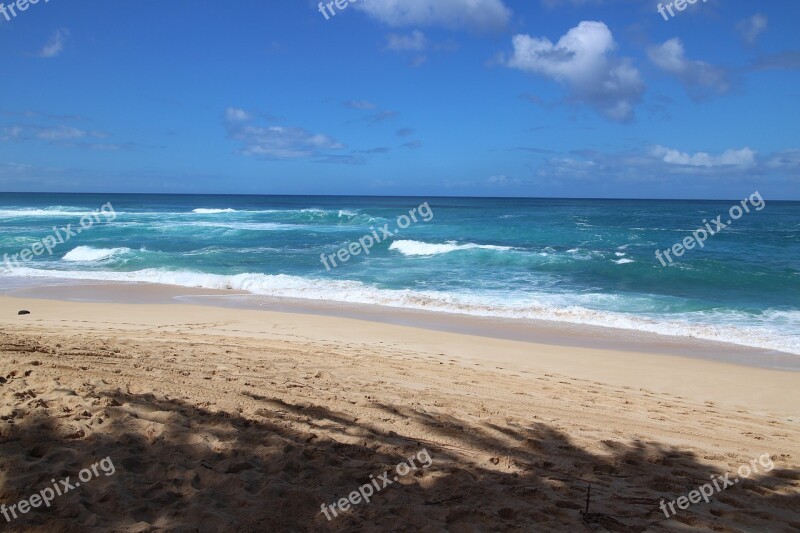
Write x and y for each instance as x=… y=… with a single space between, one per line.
x=396 y=196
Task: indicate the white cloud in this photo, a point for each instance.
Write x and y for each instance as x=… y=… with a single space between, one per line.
x=482 y=15
x=418 y=44
x=502 y=180
x=54 y=134
x=640 y=172
x=275 y=142
x=55 y=45
x=233 y=114
x=698 y=77
x=62 y=133
x=415 y=40
x=744 y=157
x=576 y=56
x=12 y=133
x=786 y=159
x=419 y=60
x=582 y=60
x=751 y=28
x=668 y=168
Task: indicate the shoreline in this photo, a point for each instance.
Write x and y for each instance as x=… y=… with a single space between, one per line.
x=561 y=334
x=659 y=371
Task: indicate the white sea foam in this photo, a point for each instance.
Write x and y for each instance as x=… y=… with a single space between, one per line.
x=623 y=261
x=51 y=212
x=203 y=211
x=718 y=326
x=89 y=254
x=763 y=331
x=252 y=226
x=412 y=248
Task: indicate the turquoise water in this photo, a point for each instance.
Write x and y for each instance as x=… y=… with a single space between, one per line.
x=580 y=261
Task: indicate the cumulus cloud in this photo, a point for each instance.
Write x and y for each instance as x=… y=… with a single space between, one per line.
x=481 y=15
x=275 y=142
x=582 y=60
x=700 y=78
x=744 y=157
x=55 y=45
x=751 y=28
x=623 y=174
x=664 y=165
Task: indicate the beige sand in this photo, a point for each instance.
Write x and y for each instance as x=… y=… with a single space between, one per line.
x=220 y=419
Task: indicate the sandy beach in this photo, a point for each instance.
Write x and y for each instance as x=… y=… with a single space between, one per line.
x=424 y=266
x=219 y=418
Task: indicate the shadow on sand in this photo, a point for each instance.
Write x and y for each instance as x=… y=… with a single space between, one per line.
x=181 y=467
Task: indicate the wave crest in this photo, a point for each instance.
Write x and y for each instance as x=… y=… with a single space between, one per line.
x=204 y=211
x=46 y=212
x=89 y=254
x=412 y=248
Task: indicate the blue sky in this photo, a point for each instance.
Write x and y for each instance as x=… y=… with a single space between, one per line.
x=543 y=98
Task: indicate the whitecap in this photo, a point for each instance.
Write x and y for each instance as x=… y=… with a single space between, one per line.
x=416 y=248
x=202 y=211
x=89 y=254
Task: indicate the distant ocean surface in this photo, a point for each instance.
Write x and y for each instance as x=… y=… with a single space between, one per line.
x=577 y=261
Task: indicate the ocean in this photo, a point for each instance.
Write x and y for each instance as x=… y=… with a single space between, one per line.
x=576 y=261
